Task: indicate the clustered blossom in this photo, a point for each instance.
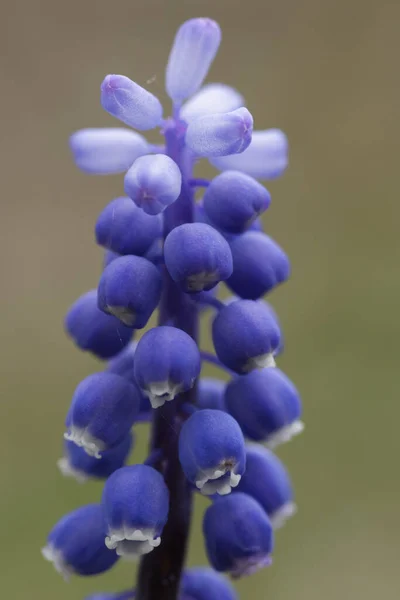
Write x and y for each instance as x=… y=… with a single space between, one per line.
x=165 y=250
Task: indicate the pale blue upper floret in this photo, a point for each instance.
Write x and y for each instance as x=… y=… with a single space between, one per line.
x=130 y=289
x=103 y=409
x=153 y=183
x=75 y=545
x=195 y=46
x=266 y=405
x=211 y=99
x=197 y=257
x=266 y=479
x=246 y=336
x=135 y=503
x=93 y=331
x=212 y=451
x=167 y=362
x=238 y=535
x=130 y=103
x=104 y=151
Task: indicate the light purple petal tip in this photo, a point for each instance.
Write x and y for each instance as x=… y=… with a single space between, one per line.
x=220 y=134
x=194 y=48
x=130 y=103
x=211 y=99
x=106 y=151
x=265 y=158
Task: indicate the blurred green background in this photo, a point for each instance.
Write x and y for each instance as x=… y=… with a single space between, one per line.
x=326 y=72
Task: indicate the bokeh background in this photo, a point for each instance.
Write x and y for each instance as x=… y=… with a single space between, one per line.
x=326 y=72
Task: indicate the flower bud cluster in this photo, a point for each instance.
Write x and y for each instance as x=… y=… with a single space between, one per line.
x=163 y=251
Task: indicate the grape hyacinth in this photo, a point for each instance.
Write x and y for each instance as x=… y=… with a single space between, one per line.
x=164 y=250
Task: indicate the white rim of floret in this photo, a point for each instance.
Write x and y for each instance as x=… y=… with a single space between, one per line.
x=123 y=314
x=56 y=557
x=212 y=481
x=83 y=439
x=280 y=516
x=285 y=434
x=262 y=361
x=143 y=542
x=198 y=281
x=250 y=565
x=160 y=392
x=68 y=470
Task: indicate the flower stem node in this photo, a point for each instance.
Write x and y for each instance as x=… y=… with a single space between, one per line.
x=220 y=134
x=78 y=464
x=126 y=229
x=203 y=583
x=130 y=289
x=212 y=451
x=266 y=405
x=238 y=535
x=76 y=544
x=107 y=151
x=267 y=481
x=265 y=158
x=195 y=46
x=246 y=336
x=93 y=331
x=234 y=200
x=130 y=103
x=153 y=183
x=135 y=503
x=197 y=257
x=103 y=410
x=167 y=362
x=259 y=265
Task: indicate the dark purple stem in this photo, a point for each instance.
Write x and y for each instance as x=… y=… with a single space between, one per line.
x=160 y=571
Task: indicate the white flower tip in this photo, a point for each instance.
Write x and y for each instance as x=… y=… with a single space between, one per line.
x=55 y=556
x=285 y=434
x=216 y=481
x=66 y=469
x=160 y=392
x=280 y=516
x=262 y=361
x=132 y=543
x=83 y=439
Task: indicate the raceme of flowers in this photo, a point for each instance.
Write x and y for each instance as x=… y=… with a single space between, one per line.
x=166 y=250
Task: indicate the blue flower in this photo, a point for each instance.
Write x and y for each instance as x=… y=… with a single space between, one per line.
x=167 y=362
x=212 y=451
x=246 y=336
x=103 y=410
x=259 y=265
x=266 y=405
x=93 y=331
x=77 y=463
x=153 y=183
x=168 y=247
x=234 y=200
x=238 y=535
x=76 y=544
x=202 y=583
x=211 y=393
x=130 y=289
x=135 y=503
x=267 y=481
x=125 y=229
x=197 y=257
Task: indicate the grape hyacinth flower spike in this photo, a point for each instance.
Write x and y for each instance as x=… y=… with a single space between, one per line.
x=166 y=249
